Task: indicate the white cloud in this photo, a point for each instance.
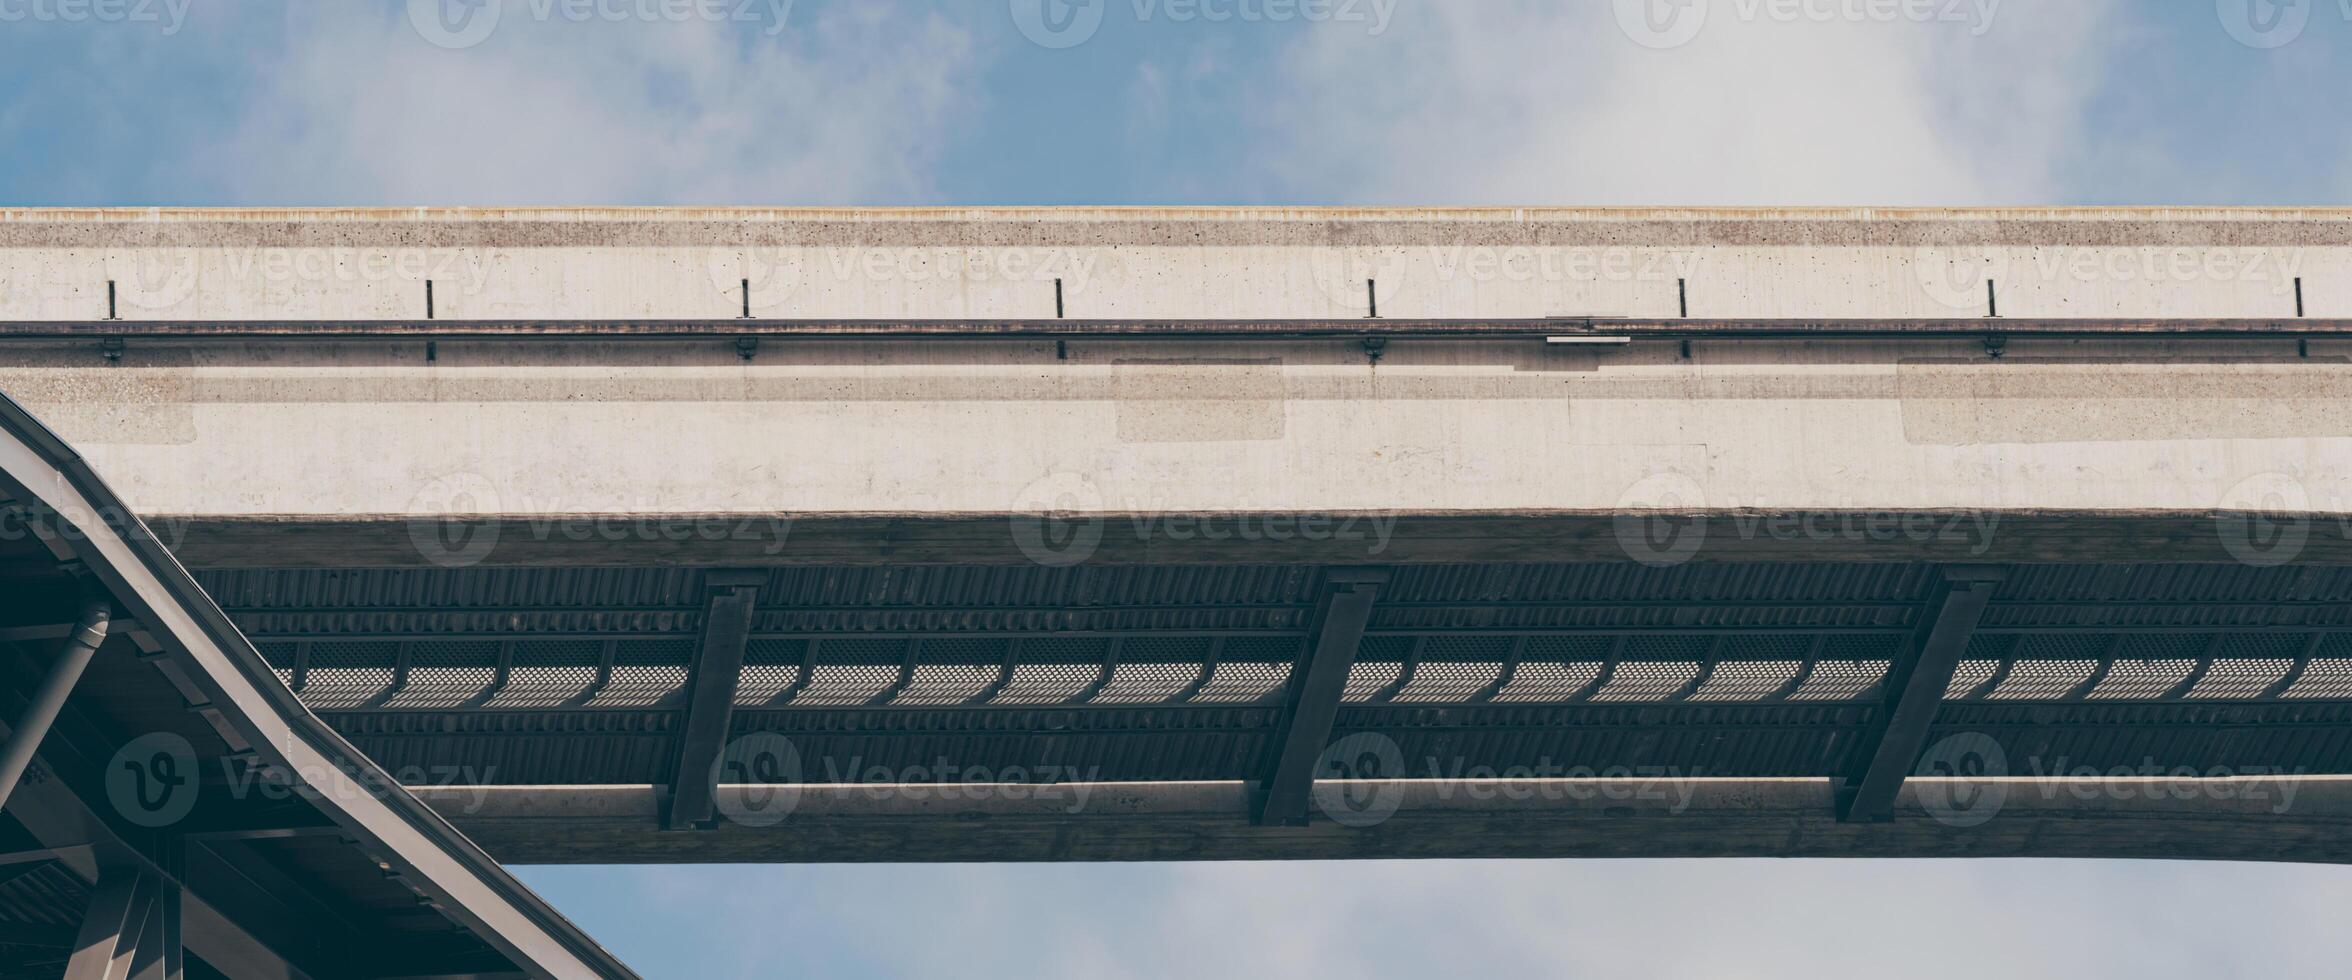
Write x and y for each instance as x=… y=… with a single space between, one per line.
x=1531 y=102
x=848 y=105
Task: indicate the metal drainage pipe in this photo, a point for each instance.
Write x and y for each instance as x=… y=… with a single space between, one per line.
x=82 y=645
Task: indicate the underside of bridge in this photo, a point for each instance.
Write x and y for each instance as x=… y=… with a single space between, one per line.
x=568 y=714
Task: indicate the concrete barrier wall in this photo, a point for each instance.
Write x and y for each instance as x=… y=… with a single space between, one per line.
x=1172 y=263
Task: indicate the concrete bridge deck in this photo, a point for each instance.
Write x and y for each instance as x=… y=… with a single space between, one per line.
x=913 y=369
x=589 y=506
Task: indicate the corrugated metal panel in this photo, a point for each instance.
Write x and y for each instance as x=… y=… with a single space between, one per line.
x=1031 y=585
x=2177 y=583
x=2038 y=672
x=440 y=589
x=1888 y=617
x=1632 y=582
x=519 y=748
x=495 y=622
x=413 y=601
x=1290 y=619
x=1064 y=745
x=50 y=896
x=2174 y=615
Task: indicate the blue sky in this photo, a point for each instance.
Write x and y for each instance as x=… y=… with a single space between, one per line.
x=1374 y=101
x=311 y=102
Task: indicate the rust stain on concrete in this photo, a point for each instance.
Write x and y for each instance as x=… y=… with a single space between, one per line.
x=145 y=399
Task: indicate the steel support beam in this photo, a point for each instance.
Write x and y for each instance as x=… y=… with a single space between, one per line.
x=710 y=705
x=159 y=955
x=279 y=910
x=120 y=908
x=1915 y=690
x=21 y=861
x=1342 y=612
x=219 y=937
x=24 y=738
x=61 y=820
x=1535 y=537
x=229 y=948
x=1477 y=819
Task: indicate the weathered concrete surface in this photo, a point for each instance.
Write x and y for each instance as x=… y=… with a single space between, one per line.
x=1172 y=263
x=234 y=429
x=2292 y=819
x=286 y=433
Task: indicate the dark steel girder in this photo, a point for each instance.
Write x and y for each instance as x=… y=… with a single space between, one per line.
x=1668 y=818
x=119 y=908
x=1915 y=689
x=131 y=931
x=1341 y=613
x=710 y=706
